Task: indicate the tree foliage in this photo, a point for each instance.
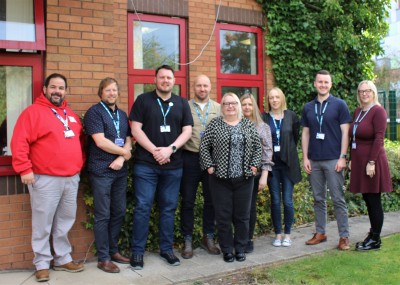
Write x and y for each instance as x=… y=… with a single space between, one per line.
x=340 y=36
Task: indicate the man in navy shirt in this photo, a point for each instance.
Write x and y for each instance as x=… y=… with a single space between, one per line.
x=325 y=140
x=109 y=148
x=161 y=125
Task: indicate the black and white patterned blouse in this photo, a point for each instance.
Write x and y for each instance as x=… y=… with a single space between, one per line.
x=237 y=147
x=216 y=147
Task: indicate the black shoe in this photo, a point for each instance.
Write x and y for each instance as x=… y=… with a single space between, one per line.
x=371 y=244
x=170 y=258
x=240 y=256
x=229 y=257
x=249 y=247
x=136 y=261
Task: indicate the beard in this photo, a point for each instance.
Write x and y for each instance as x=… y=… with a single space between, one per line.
x=56 y=99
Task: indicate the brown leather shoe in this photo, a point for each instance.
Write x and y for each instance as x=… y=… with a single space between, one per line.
x=344 y=243
x=187 y=252
x=108 y=266
x=70 y=267
x=316 y=239
x=42 y=275
x=117 y=257
x=208 y=244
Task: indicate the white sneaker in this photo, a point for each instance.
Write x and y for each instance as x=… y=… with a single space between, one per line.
x=287 y=242
x=277 y=242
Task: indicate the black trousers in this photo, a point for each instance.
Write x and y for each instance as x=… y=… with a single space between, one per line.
x=375 y=211
x=232 y=199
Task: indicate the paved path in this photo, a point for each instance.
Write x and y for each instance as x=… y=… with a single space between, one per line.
x=203 y=265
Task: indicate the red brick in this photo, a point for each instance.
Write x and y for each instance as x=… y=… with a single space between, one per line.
x=70 y=19
x=81 y=27
x=5 y=234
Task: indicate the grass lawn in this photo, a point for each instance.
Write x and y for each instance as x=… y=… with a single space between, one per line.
x=337 y=267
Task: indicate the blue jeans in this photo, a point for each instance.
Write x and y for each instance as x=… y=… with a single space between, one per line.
x=192 y=175
x=280 y=187
x=109 y=195
x=147 y=181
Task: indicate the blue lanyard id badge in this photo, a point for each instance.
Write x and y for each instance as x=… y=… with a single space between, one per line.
x=118 y=141
x=165 y=128
x=277 y=148
x=355 y=126
x=320 y=118
x=203 y=121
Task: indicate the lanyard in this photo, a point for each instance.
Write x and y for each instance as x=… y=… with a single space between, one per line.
x=116 y=122
x=63 y=121
x=202 y=121
x=162 y=110
x=321 y=117
x=356 y=122
x=277 y=127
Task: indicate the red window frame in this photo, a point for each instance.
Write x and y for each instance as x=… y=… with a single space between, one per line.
x=40 y=43
x=146 y=76
x=36 y=62
x=242 y=80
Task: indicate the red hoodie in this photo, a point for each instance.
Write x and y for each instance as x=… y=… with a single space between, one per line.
x=38 y=143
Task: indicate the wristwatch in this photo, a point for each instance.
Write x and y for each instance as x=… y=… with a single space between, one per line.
x=343 y=155
x=174 y=149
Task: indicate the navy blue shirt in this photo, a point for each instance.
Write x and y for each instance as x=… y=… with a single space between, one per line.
x=146 y=110
x=98 y=120
x=336 y=114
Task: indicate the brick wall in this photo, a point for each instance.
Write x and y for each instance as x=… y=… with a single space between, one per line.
x=87 y=41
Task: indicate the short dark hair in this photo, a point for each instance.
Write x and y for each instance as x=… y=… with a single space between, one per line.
x=55 y=75
x=105 y=82
x=165 y=66
x=324 y=72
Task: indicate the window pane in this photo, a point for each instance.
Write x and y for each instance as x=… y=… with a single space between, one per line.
x=15 y=96
x=155 y=44
x=143 y=88
x=238 y=52
x=240 y=91
x=17 y=20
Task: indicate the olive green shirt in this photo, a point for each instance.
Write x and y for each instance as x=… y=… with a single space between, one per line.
x=193 y=144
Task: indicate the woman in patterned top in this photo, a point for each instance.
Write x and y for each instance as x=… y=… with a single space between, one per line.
x=251 y=112
x=231 y=153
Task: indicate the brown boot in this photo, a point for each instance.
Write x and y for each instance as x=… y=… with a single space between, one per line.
x=42 y=275
x=208 y=244
x=316 y=239
x=187 y=252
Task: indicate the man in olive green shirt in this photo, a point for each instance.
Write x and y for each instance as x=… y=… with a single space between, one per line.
x=203 y=111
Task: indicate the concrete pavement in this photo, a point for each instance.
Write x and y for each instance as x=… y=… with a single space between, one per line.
x=202 y=265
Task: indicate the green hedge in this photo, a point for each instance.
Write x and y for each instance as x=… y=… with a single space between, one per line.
x=303 y=201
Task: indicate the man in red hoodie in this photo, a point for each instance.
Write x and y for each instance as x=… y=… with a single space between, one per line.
x=47 y=152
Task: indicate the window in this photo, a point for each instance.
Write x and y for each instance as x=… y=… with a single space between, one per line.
x=21 y=81
x=154 y=41
x=22 y=25
x=240 y=61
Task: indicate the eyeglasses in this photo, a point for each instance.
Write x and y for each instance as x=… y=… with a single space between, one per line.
x=230 y=104
x=366 y=91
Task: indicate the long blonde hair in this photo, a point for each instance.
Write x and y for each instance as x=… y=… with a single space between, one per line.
x=283 y=99
x=255 y=116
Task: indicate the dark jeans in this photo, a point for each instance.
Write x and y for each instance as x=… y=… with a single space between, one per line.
x=191 y=177
x=109 y=194
x=281 y=188
x=375 y=211
x=147 y=181
x=253 y=207
x=232 y=199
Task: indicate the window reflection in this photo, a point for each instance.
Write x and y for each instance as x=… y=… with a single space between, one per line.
x=17 y=20
x=238 y=52
x=240 y=91
x=15 y=96
x=155 y=44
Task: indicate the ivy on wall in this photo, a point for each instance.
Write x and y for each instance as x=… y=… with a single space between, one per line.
x=341 y=36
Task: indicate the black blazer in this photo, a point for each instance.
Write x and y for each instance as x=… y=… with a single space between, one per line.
x=290 y=134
